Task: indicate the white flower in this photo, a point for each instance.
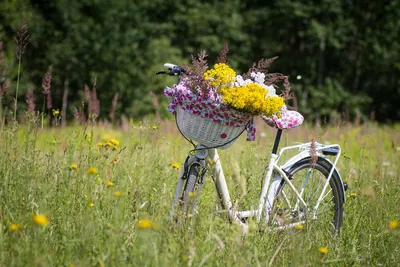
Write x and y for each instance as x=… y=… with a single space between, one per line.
x=241 y=82
x=271 y=90
x=258 y=77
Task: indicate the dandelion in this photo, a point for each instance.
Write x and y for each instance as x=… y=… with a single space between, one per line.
x=175 y=166
x=91 y=204
x=15 y=227
x=299 y=227
x=110 y=184
x=92 y=170
x=73 y=166
x=144 y=224
x=154 y=127
x=394 y=224
x=117 y=194
x=40 y=219
x=323 y=250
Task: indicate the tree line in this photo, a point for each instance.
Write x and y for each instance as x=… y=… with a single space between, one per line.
x=342 y=55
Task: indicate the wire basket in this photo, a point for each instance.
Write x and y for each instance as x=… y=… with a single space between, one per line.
x=205 y=131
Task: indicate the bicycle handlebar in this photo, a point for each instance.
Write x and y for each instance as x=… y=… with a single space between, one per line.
x=173 y=70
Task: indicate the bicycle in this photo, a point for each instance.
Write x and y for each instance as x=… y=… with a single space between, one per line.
x=305 y=188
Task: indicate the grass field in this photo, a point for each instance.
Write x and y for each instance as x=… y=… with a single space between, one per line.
x=72 y=197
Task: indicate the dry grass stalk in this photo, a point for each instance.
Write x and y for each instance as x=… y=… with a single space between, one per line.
x=113 y=107
x=46 y=87
x=22 y=38
x=222 y=57
x=4 y=84
x=94 y=103
x=30 y=100
x=313 y=152
x=196 y=72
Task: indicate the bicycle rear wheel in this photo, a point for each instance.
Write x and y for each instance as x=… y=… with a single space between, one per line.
x=309 y=179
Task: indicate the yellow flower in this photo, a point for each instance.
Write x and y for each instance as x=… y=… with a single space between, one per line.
x=323 y=250
x=56 y=112
x=299 y=227
x=117 y=194
x=393 y=224
x=144 y=224
x=100 y=144
x=91 y=204
x=114 y=142
x=154 y=127
x=99 y=180
x=175 y=165
x=40 y=219
x=192 y=194
x=73 y=166
x=220 y=75
x=110 y=184
x=15 y=227
x=251 y=98
x=92 y=170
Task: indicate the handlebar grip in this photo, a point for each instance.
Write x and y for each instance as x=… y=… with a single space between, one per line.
x=169 y=66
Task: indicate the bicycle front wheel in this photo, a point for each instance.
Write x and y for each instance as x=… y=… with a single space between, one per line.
x=192 y=189
x=309 y=179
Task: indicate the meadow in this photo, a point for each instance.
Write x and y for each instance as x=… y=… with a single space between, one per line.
x=94 y=195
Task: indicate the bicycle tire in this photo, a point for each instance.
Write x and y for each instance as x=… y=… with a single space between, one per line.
x=310 y=195
x=190 y=195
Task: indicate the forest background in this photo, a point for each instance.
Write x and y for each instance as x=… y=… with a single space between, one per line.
x=342 y=56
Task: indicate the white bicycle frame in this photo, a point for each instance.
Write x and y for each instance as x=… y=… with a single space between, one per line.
x=269 y=189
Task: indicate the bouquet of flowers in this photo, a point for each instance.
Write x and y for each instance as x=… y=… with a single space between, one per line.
x=214 y=106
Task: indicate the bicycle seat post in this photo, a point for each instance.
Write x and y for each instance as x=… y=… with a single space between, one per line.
x=277 y=140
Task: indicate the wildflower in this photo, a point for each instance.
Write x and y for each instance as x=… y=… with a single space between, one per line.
x=110 y=184
x=114 y=142
x=175 y=165
x=40 y=219
x=117 y=194
x=15 y=227
x=393 y=224
x=73 y=166
x=99 y=180
x=144 y=224
x=92 y=170
x=56 y=112
x=91 y=204
x=323 y=250
x=154 y=127
x=100 y=144
x=299 y=227
x=192 y=194
x=353 y=195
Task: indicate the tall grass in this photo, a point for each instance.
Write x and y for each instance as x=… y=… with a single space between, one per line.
x=117 y=215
